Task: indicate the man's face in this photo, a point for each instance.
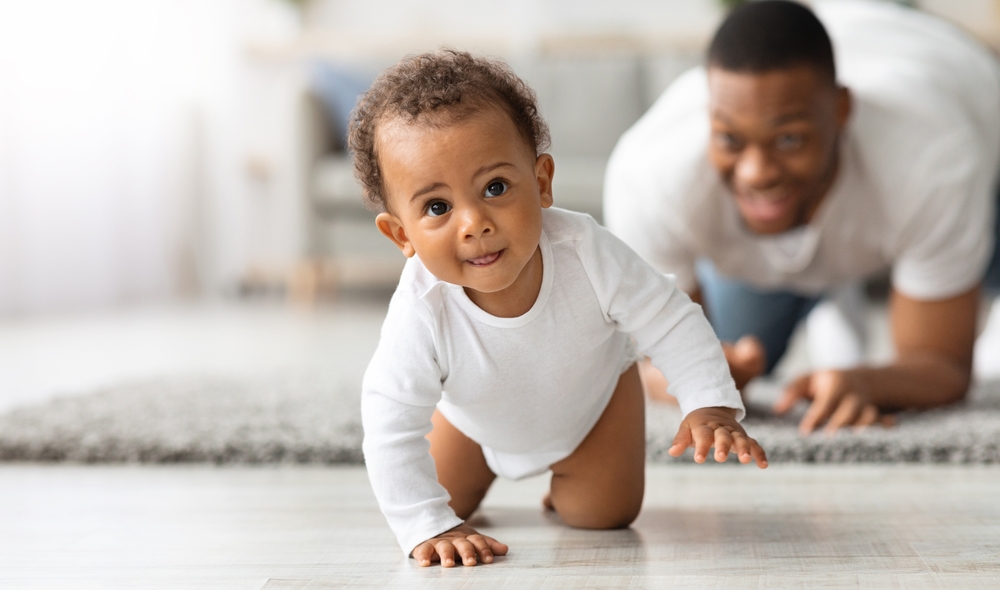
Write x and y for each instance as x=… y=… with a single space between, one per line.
x=774 y=141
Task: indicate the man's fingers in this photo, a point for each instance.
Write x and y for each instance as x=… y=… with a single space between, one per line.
x=846 y=413
x=424 y=554
x=796 y=390
x=869 y=415
x=820 y=410
x=887 y=421
x=446 y=552
x=681 y=442
x=723 y=442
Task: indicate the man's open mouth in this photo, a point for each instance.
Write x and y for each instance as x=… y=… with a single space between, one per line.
x=766 y=208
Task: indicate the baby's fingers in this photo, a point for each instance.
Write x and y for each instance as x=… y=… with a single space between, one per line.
x=446 y=552
x=424 y=554
x=723 y=442
x=484 y=547
x=466 y=550
x=681 y=442
x=496 y=547
x=758 y=453
x=741 y=446
x=704 y=436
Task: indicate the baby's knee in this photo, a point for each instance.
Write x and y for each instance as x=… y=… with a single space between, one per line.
x=466 y=503
x=616 y=516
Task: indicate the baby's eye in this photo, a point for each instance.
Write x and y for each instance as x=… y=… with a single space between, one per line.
x=496 y=188
x=437 y=208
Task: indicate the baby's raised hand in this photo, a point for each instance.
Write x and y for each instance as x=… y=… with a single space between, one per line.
x=464 y=540
x=716 y=427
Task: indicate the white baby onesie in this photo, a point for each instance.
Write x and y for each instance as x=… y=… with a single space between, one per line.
x=531 y=386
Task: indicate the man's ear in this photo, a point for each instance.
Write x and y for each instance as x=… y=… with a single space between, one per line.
x=845 y=103
x=389 y=225
x=545 y=169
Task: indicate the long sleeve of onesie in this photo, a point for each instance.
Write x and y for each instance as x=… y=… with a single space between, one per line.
x=400 y=391
x=667 y=326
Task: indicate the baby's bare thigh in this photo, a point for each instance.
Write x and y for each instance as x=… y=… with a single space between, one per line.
x=601 y=484
x=461 y=466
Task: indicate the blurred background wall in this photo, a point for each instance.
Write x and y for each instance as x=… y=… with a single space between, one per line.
x=155 y=150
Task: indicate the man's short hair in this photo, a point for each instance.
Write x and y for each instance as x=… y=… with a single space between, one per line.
x=438 y=89
x=772 y=35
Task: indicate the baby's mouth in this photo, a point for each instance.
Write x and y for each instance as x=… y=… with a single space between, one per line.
x=485 y=259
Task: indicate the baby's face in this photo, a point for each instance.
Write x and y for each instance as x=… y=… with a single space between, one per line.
x=466 y=197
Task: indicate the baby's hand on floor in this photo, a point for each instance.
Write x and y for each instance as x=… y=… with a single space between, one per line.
x=716 y=427
x=464 y=540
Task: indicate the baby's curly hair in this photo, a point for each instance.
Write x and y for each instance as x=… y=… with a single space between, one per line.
x=447 y=82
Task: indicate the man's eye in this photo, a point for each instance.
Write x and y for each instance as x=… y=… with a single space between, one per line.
x=496 y=188
x=789 y=142
x=438 y=208
x=729 y=141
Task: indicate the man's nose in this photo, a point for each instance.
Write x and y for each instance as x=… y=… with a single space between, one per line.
x=475 y=221
x=756 y=168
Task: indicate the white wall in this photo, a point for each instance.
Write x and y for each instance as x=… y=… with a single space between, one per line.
x=122 y=127
x=148 y=148
x=507 y=26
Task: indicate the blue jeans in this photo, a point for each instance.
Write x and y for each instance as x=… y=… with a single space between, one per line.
x=736 y=309
x=991 y=282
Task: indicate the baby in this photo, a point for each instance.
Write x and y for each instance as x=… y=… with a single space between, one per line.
x=510 y=343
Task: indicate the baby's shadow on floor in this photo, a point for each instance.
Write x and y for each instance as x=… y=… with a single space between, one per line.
x=514 y=517
x=666 y=526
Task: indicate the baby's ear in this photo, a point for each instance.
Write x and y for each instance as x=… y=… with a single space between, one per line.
x=545 y=169
x=389 y=225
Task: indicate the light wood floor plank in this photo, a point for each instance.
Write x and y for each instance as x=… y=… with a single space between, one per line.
x=290 y=527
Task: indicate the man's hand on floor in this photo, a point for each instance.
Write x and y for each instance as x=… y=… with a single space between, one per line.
x=837 y=400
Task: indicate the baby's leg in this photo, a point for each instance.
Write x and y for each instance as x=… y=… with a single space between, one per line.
x=600 y=486
x=461 y=467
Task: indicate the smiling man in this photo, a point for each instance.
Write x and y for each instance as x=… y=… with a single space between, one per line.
x=778 y=175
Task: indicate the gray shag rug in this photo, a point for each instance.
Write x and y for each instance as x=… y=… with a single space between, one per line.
x=316 y=419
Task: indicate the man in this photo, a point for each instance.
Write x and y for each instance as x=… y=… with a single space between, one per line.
x=775 y=176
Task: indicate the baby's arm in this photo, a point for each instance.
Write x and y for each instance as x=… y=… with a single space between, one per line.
x=400 y=391
x=673 y=331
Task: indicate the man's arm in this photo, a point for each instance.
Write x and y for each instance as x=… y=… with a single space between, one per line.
x=933 y=367
x=934 y=342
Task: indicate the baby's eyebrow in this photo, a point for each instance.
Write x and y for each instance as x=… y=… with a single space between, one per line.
x=491 y=167
x=427 y=189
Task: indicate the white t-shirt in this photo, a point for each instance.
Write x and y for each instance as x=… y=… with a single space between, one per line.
x=534 y=383
x=915 y=188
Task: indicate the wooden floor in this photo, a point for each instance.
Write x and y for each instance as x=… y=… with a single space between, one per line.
x=319 y=527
